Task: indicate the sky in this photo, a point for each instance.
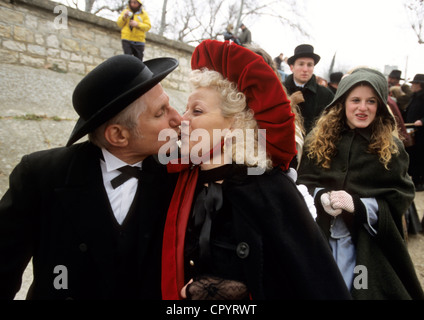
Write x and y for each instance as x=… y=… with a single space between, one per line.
x=372 y=33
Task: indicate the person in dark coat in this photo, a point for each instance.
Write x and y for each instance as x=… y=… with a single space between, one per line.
x=89 y=218
x=415 y=116
x=240 y=228
x=229 y=35
x=303 y=82
x=356 y=169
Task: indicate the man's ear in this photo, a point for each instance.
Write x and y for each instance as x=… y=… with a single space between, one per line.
x=117 y=135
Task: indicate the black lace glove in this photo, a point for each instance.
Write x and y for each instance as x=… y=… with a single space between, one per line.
x=214 y=288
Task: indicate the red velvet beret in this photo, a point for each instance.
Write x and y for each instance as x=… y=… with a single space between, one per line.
x=263 y=90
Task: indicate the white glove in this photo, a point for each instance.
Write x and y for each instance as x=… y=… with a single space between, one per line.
x=342 y=200
x=292 y=174
x=308 y=199
x=326 y=204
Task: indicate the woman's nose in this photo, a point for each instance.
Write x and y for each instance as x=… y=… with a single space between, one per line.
x=186 y=116
x=362 y=105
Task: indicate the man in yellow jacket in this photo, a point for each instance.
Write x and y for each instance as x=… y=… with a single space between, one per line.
x=134 y=23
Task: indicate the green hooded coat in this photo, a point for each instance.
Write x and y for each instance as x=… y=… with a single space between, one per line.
x=390 y=273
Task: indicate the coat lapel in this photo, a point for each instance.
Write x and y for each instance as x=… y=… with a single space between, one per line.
x=87 y=206
x=152 y=207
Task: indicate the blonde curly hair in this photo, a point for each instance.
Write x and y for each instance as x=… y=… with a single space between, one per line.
x=321 y=142
x=234 y=106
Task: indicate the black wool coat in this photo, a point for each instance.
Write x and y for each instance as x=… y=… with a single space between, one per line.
x=289 y=257
x=57 y=212
x=316 y=99
x=414 y=112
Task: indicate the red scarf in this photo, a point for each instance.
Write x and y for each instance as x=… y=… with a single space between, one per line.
x=176 y=225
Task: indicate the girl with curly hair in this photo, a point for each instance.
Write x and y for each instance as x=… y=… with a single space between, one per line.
x=356 y=169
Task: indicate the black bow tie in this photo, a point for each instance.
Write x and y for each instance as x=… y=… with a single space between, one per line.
x=128 y=172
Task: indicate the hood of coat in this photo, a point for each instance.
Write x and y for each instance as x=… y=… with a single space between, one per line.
x=373 y=77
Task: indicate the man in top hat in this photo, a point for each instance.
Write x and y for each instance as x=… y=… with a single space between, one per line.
x=91 y=214
x=302 y=82
x=393 y=78
x=415 y=115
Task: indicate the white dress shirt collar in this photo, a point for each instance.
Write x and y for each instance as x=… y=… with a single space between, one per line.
x=114 y=163
x=121 y=198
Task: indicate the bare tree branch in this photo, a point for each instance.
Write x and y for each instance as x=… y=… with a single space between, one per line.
x=415 y=12
x=193 y=21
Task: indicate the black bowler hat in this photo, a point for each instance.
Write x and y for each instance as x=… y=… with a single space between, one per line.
x=112 y=86
x=395 y=74
x=303 y=50
x=335 y=77
x=419 y=78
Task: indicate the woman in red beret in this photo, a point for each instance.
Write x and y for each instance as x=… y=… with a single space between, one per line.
x=237 y=226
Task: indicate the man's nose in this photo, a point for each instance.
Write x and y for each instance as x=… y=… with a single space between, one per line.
x=175 y=118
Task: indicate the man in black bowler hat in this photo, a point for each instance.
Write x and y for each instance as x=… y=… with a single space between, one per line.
x=302 y=85
x=394 y=78
x=91 y=214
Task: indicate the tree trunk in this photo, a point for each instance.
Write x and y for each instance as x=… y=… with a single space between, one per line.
x=236 y=29
x=163 y=18
x=89 y=5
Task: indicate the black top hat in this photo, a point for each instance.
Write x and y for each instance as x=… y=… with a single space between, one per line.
x=112 y=86
x=303 y=50
x=419 y=78
x=335 y=77
x=395 y=74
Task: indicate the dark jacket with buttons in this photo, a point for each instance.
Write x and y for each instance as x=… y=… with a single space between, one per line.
x=57 y=212
x=277 y=249
x=316 y=99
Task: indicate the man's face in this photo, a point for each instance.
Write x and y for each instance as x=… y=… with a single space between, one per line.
x=157 y=116
x=415 y=87
x=303 y=69
x=134 y=4
x=392 y=81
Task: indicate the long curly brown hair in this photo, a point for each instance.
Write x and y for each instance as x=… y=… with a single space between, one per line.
x=320 y=144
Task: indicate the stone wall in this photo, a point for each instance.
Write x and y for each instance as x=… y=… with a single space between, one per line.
x=45 y=34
